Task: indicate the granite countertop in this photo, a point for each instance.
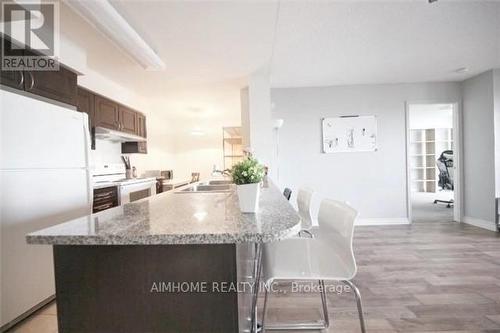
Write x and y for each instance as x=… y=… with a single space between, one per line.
x=179 y=218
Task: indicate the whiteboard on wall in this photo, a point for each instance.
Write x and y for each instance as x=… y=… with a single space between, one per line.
x=349 y=134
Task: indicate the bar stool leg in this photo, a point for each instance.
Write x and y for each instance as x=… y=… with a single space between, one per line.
x=326 y=318
x=360 y=305
x=264 y=309
x=258 y=268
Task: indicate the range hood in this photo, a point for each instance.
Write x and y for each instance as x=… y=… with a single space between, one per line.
x=116 y=136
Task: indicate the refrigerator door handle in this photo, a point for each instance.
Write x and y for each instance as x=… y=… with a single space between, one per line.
x=86 y=134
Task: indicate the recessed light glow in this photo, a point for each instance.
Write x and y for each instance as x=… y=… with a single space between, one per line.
x=200 y=216
x=462 y=70
x=197 y=132
x=195 y=110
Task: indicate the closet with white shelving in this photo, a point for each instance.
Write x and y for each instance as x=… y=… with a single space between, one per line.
x=426 y=145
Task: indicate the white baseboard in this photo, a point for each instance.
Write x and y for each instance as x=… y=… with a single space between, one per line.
x=488 y=225
x=382 y=221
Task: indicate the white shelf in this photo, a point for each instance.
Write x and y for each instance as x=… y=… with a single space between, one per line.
x=232 y=146
x=426 y=146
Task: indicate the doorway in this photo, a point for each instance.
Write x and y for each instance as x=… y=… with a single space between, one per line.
x=433 y=147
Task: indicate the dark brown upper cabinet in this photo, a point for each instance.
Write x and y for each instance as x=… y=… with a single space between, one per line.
x=57 y=85
x=14 y=79
x=106 y=113
x=127 y=119
x=141 y=125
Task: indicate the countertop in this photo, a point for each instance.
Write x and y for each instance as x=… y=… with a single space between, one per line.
x=179 y=218
x=175 y=181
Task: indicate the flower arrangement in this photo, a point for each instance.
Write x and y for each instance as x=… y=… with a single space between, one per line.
x=248 y=171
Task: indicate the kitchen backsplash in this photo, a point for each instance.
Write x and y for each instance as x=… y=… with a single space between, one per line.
x=106 y=152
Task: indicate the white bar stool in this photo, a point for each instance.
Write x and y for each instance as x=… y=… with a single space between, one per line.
x=327 y=257
x=304 y=200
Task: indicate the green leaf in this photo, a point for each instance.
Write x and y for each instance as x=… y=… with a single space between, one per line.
x=247 y=171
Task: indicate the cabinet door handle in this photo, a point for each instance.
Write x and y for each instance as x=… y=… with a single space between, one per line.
x=32 y=80
x=21 y=81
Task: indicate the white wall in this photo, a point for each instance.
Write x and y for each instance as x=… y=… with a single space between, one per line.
x=245 y=117
x=170 y=110
x=107 y=152
x=424 y=116
x=373 y=182
x=259 y=120
x=204 y=109
x=496 y=98
x=83 y=49
x=479 y=148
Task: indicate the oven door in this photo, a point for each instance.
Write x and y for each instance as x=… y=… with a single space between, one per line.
x=137 y=191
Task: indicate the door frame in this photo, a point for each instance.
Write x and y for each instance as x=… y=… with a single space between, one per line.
x=457 y=162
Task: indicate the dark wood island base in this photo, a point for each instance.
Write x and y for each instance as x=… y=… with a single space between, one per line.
x=125 y=269
x=139 y=288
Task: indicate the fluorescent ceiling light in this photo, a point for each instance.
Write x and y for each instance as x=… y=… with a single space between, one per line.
x=102 y=15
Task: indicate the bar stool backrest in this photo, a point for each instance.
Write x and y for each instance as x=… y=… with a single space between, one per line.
x=304 y=199
x=336 y=230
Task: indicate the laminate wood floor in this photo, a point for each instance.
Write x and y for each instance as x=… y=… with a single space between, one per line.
x=426 y=277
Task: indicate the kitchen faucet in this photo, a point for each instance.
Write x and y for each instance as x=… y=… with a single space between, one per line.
x=225 y=172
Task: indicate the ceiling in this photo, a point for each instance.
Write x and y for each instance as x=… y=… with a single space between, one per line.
x=309 y=43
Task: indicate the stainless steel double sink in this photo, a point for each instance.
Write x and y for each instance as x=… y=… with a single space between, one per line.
x=212 y=186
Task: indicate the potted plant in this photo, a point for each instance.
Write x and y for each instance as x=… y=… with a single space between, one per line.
x=247 y=176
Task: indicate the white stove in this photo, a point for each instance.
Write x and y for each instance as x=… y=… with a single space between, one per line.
x=129 y=190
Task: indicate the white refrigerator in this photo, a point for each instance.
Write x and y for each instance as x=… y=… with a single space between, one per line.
x=44 y=180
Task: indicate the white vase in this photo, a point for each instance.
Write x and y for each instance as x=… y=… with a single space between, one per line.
x=248 y=196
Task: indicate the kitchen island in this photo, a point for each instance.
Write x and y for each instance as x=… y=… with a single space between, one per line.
x=176 y=262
